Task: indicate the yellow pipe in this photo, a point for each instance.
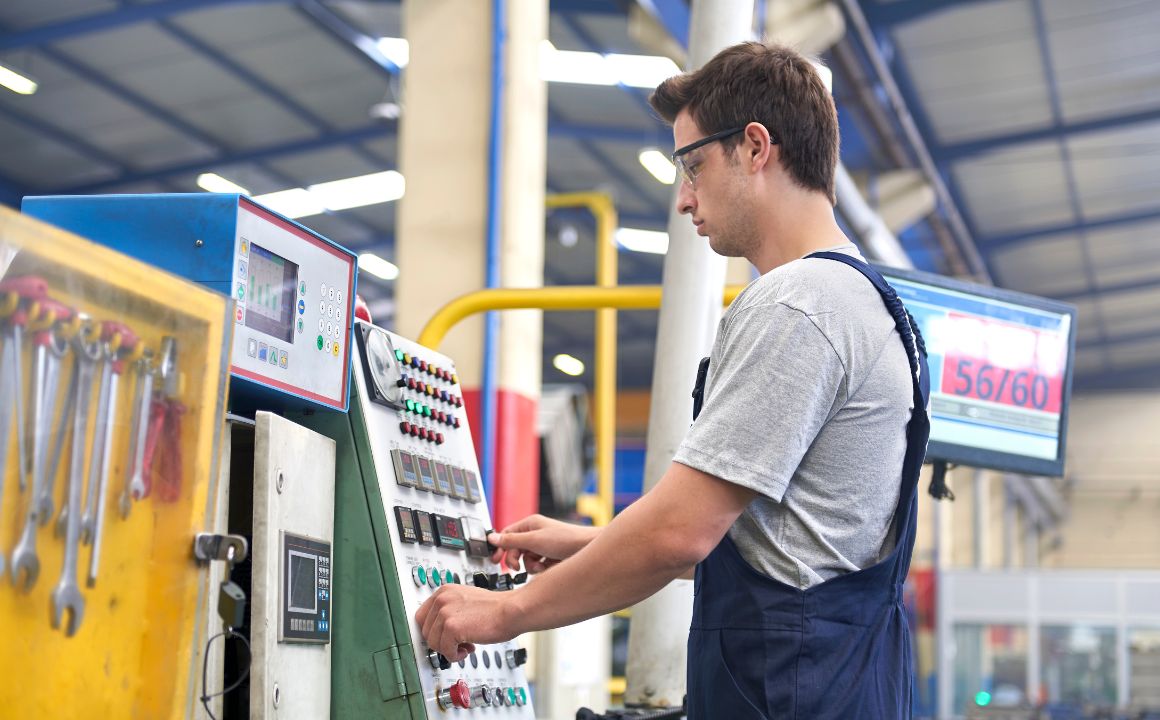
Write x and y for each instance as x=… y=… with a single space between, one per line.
x=633 y=297
x=600 y=509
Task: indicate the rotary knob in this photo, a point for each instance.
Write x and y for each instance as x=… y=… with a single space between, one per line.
x=516 y=657
x=482 y=696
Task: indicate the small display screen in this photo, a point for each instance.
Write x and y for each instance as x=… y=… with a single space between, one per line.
x=406 y=522
x=458 y=484
x=473 y=493
x=426 y=529
x=443 y=480
x=449 y=533
x=405 y=473
x=303 y=582
x=426 y=475
x=273 y=282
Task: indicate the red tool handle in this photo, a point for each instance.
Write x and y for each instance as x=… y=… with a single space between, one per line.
x=109 y=328
x=169 y=476
x=152 y=435
x=28 y=287
x=60 y=313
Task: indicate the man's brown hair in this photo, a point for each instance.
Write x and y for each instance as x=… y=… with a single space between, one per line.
x=767 y=84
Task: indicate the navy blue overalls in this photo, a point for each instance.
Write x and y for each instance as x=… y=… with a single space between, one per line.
x=761 y=649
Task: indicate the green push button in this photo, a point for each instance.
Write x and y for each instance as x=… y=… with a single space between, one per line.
x=426 y=411
x=319 y=342
x=511 y=693
x=410 y=406
x=399 y=355
x=420 y=574
x=523 y=697
x=436 y=577
x=449 y=578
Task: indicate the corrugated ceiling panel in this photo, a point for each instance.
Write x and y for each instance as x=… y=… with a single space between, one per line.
x=1041 y=267
x=977 y=70
x=1116 y=171
x=1126 y=254
x=30 y=159
x=599 y=105
x=25 y=14
x=1104 y=55
x=1129 y=309
x=1089 y=361
x=123 y=49
x=1015 y=189
x=324 y=165
x=1135 y=355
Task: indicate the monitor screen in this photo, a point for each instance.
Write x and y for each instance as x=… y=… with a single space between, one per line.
x=273 y=284
x=303 y=582
x=1000 y=371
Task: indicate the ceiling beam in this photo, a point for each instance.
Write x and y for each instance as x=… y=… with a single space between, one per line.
x=974 y=148
x=882 y=14
x=1143 y=377
x=365 y=46
x=101 y=22
x=1020 y=237
x=1126 y=339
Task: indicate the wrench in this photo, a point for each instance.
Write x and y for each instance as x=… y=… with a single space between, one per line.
x=135 y=488
x=51 y=344
x=31 y=289
x=115 y=335
x=67 y=595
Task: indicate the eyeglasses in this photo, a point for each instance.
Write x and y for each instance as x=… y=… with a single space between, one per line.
x=689 y=170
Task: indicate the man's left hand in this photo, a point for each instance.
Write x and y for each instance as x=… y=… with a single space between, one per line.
x=457 y=617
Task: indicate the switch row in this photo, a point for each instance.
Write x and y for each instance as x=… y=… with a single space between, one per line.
x=461 y=696
x=428 y=434
x=429 y=390
x=423 y=366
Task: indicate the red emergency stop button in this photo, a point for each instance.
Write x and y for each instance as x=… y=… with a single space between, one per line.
x=461 y=695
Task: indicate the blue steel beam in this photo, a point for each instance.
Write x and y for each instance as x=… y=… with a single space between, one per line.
x=971 y=148
x=883 y=14
x=1151 y=283
x=112 y=20
x=366 y=47
x=673 y=16
x=1007 y=240
x=11 y=193
x=358 y=135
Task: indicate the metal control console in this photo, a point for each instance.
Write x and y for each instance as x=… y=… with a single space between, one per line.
x=293 y=289
x=428 y=478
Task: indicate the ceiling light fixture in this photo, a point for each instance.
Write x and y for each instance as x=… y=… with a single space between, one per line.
x=341 y=194
x=293 y=203
x=212 y=182
x=377 y=266
x=397 y=50
x=568 y=365
x=659 y=165
x=646 y=241
x=17 y=83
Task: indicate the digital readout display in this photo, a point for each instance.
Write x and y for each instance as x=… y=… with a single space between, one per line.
x=449 y=534
x=426 y=529
x=406 y=521
x=270 y=300
x=426 y=475
x=303 y=582
x=443 y=480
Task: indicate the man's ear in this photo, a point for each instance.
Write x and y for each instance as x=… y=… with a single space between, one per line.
x=758 y=146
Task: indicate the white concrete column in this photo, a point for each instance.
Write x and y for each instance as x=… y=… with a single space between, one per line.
x=694 y=281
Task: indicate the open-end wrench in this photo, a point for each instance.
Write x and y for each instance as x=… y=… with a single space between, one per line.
x=101 y=431
x=66 y=597
x=135 y=488
x=115 y=336
x=51 y=343
x=28 y=290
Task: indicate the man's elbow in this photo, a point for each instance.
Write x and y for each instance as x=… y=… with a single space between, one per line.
x=683 y=549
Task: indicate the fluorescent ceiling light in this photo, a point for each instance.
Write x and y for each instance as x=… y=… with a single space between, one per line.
x=293 y=203
x=377 y=266
x=358 y=191
x=397 y=50
x=16 y=82
x=212 y=182
x=642 y=71
x=657 y=163
x=568 y=365
x=647 y=241
x=581 y=68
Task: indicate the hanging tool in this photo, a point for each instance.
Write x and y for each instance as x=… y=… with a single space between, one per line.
x=66 y=597
x=120 y=346
x=22 y=294
x=25 y=564
x=165 y=427
x=135 y=487
x=50 y=341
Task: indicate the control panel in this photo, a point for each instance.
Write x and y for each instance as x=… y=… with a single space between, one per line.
x=428 y=479
x=293 y=289
x=294 y=296
x=305 y=586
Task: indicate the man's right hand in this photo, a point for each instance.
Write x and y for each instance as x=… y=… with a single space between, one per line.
x=539 y=542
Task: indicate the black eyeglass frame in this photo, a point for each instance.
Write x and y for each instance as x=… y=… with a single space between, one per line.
x=679 y=153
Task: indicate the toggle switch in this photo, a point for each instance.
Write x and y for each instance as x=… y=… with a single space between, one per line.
x=516 y=657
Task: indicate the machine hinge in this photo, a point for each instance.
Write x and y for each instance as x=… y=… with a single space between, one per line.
x=394 y=680
x=208 y=547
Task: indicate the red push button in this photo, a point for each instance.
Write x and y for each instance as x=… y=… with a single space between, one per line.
x=438 y=438
x=423 y=366
x=461 y=695
x=411 y=383
x=405 y=427
x=422 y=433
x=455 y=421
x=414 y=431
x=440 y=416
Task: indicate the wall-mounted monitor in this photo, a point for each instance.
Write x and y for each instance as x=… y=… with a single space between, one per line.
x=1001 y=369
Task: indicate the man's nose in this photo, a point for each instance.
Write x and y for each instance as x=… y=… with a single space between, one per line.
x=686 y=199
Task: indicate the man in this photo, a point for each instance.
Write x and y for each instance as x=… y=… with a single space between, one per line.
x=793 y=493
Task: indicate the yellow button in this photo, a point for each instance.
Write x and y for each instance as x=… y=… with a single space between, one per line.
x=336 y=349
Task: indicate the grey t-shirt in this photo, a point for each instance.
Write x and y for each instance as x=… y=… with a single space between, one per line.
x=806 y=402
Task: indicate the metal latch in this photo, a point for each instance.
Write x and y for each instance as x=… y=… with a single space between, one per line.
x=231 y=549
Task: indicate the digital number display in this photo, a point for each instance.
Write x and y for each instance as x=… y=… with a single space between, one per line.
x=999 y=372
x=406 y=522
x=426 y=529
x=273 y=284
x=405 y=472
x=473 y=493
x=443 y=480
x=448 y=533
x=426 y=475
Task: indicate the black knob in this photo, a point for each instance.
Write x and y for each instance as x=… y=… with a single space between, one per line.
x=520 y=578
x=481 y=581
x=516 y=657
